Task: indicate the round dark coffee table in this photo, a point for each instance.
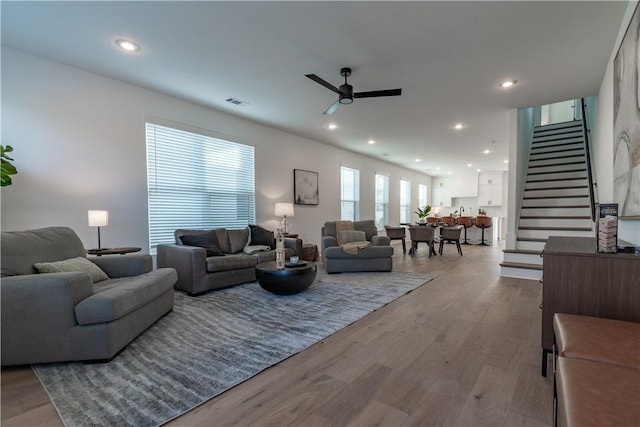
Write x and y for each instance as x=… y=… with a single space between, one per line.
x=289 y=281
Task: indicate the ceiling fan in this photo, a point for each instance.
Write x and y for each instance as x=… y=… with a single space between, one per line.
x=345 y=91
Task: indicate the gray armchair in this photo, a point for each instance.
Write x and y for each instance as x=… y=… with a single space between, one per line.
x=64 y=316
x=376 y=257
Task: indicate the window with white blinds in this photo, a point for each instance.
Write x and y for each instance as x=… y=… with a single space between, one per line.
x=422 y=196
x=196 y=181
x=405 y=201
x=382 y=201
x=350 y=194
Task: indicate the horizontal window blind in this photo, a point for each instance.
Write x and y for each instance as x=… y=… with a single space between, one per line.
x=350 y=194
x=196 y=181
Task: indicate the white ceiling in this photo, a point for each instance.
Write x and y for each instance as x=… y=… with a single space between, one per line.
x=448 y=58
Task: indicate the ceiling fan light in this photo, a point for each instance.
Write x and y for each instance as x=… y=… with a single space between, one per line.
x=346 y=100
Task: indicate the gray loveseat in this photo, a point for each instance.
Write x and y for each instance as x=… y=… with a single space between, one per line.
x=64 y=316
x=200 y=270
x=377 y=257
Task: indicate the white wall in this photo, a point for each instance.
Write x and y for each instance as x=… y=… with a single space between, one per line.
x=79 y=144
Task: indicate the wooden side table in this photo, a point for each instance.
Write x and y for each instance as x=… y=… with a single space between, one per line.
x=113 y=251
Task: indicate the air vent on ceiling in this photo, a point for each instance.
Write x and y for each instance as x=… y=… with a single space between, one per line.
x=236 y=101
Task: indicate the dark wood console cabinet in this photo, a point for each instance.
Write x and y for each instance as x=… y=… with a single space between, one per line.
x=579 y=280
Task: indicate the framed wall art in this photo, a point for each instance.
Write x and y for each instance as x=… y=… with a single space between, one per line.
x=305 y=187
x=626 y=121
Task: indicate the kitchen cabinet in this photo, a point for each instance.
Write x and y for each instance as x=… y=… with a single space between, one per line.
x=490 y=189
x=441 y=192
x=465 y=186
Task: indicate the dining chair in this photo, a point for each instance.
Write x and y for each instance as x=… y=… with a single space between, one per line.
x=421 y=234
x=397 y=233
x=451 y=234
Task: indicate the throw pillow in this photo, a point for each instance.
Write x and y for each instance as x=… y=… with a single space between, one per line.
x=73 y=264
x=238 y=239
x=206 y=240
x=262 y=236
x=348 y=236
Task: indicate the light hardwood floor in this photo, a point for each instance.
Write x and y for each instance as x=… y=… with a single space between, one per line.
x=462 y=350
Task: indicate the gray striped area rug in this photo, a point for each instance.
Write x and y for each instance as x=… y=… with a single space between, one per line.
x=211 y=343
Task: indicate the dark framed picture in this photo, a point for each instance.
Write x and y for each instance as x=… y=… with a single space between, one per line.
x=305 y=187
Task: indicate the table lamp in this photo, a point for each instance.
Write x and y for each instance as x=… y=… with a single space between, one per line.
x=98 y=219
x=284 y=210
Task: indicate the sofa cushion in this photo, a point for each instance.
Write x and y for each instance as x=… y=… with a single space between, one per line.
x=348 y=236
x=116 y=298
x=368 y=226
x=70 y=265
x=238 y=239
x=366 y=253
x=223 y=240
x=205 y=240
x=261 y=236
x=230 y=262
x=21 y=249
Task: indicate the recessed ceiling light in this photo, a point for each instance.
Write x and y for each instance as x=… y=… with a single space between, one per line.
x=332 y=126
x=127 y=45
x=506 y=161
x=437 y=168
x=469 y=165
x=417 y=160
x=458 y=126
x=486 y=151
x=449 y=173
x=507 y=83
x=371 y=141
x=477 y=170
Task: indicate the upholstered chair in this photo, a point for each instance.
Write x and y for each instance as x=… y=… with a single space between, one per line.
x=397 y=233
x=421 y=234
x=451 y=234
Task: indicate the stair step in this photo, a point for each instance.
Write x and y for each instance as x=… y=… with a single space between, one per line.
x=556 y=217
x=521 y=265
x=558 y=161
x=555 y=228
x=554 y=197
x=557 y=142
x=523 y=257
x=581 y=191
x=555 y=176
x=530 y=245
x=565 y=222
x=562 y=155
x=521 y=251
x=544 y=233
x=549 y=211
x=522 y=273
x=545 y=172
x=548 y=202
x=574 y=167
x=556 y=183
x=578 y=145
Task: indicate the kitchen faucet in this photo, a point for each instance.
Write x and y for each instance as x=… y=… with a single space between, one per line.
x=461 y=210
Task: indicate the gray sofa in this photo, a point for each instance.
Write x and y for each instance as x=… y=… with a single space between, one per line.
x=64 y=316
x=199 y=273
x=377 y=257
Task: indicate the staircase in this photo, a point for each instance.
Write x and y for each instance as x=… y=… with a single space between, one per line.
x=556 y=197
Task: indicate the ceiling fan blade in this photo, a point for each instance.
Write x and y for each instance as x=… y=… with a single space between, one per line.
x=333 y=107
x=375 y=93
x=323 y=82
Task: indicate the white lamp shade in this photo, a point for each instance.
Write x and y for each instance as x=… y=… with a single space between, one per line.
x=98 y=218
x=284 y=209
